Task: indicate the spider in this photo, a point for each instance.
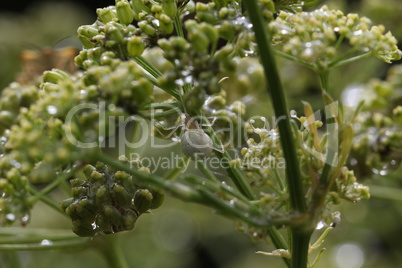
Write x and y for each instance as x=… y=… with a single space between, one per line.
x=194 y=141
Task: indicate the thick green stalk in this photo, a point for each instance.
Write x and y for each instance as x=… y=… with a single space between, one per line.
x=300 y=237
x=110 y=248
x=276 y=92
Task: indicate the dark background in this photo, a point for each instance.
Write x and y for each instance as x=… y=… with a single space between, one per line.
x=21 y=5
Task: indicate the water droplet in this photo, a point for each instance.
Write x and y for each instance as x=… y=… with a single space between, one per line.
x=51 y=109
x=46 y=242
x=10 y=217
x=320 y=225
x=233 y=201
x=359 y=32
x=25 y=219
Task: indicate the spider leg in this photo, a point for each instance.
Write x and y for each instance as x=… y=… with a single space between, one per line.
x=171 y=133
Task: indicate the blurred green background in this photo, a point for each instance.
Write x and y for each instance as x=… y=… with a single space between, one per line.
x=181 y=235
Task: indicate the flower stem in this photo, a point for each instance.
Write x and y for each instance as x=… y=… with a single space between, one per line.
x=109 y=247
x=276 y=91
x=300 y=237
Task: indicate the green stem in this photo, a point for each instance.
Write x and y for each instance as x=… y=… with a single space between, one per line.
x=300 y=246
x=300 y=239
x=279 y=242
x=179 y=30
x=208 y=174
x=46 y=201
x=110 y=248
x=173 y=173
x=324 y=80
x=350 y=60
x=234 y=173
x=50 y=187
x=155 y=73
x=292 y=58
x=71 y=243
x=276 y=91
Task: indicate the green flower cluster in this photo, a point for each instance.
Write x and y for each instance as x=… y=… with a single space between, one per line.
x=107 y=201
x=315 y=38
x=48 y=129
x=378 y=126
x=263 y=159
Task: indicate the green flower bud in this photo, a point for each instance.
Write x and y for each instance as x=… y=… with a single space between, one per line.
x=86 y=42
x=169 y=8
x=124 y=12
x=85 y=34
x=82 y=228
x=124 y=179
x=397 y=111
x=113 y=33
x=142 y=200
x=210 y=31
x=66 y=203
x=103 y=223
x=135 y=46
x=96 y=176
x=6 y=119
x=138 y=7
x=199 y=41
x=112 y=214
x=226 y=31
x=123 y=198
x=86 y=209
x=54 y=76
x=158 y=196
x=87 y=170
x=166 y=24
x=146 y=28
x=106 y=14
x=79 y=191
x=205 y=13
x=129 y=220
x=102 y=196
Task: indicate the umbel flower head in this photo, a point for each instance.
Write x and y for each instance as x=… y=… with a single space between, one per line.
x=108 y=201
x=315 y=38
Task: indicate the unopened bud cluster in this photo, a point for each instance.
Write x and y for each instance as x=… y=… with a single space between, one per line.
x=107 y=201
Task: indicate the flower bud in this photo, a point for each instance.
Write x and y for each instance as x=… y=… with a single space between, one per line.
x=86 y=209
x=102 y=196
x=158 y=196
x=146 y=28
x=82 y=228
x=66 y=203
x=129 y=220
x=113 y=33
x=106 y=14
x=124 y=12
x=54 y=76
x=142 y=200
x=169 y=8
x=210 y=31
x=123 y=198
x=135 y=46
x=166 y=24
x=139 y=7
x=112 y=214
x=79 y=191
